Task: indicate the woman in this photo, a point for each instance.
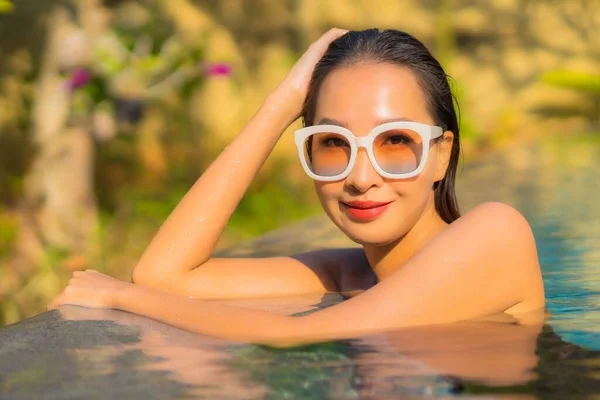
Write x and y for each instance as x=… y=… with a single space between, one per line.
x=382 y=144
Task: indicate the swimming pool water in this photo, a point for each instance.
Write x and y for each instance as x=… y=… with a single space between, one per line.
x=556 y=185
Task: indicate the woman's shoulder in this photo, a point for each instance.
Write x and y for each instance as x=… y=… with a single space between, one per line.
x=497 y=218
x=497 y=225
x=501 y=229
x=495 y=209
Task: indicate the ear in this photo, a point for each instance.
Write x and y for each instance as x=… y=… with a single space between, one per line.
x=443 y=149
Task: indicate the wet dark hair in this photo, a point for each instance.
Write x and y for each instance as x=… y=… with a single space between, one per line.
x=398 y=48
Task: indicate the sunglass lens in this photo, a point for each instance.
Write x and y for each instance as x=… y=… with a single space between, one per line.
x=327 y=154
x=398 y=151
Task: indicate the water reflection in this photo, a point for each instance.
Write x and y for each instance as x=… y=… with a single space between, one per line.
x=203 y=365
x=498 y=355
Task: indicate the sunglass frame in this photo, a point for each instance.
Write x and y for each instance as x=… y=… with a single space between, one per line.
x=427 y=133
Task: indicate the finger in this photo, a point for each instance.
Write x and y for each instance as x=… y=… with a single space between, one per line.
x=331 y=35
x=318 y=47
x=92 y=271
x=52 y=305
x=62 y=299
x=335 y=32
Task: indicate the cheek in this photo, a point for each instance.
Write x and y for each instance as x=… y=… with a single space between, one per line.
x=417 y=188
x=426 y=178
x=327 y=191
x=428 y=174
x=329 y=194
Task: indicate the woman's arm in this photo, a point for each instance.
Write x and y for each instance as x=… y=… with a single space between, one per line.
x=186 y=240
x=483 y=263
x=238 y=278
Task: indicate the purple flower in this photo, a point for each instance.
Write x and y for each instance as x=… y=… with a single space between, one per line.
x=79 y=78
x=215 y=69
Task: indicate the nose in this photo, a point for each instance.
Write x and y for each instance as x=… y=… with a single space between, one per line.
x=363 y=175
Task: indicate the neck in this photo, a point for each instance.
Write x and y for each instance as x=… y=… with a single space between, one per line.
x=386 y=259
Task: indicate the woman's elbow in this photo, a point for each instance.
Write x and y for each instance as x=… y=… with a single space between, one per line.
x=178 y=283
x=138 y=275
x=145 y=277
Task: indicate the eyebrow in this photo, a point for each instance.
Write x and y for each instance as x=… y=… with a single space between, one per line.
x=331 y=121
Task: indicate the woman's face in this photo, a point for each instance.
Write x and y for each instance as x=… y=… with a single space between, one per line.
x=361 y=97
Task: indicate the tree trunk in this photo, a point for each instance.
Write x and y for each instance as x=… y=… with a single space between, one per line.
x=59 y=208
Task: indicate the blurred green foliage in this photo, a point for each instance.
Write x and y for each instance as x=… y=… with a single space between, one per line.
x=272 y=202
x=6 y=6
x=8 y=232
x=580 y=81
x=586 y=84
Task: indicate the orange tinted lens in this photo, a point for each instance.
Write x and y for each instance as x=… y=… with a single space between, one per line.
x=327 y=154
x=398 y=151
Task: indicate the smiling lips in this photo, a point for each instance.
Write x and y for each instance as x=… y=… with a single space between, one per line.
x=365 y=210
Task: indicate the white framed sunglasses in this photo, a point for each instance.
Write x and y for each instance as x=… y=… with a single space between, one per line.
x=397 y=150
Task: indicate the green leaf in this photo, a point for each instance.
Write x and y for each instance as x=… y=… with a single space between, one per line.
x=581 y=81
x=6 y=6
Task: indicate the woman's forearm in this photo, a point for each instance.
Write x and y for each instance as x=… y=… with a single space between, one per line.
x=189 y=235
x=210 y=318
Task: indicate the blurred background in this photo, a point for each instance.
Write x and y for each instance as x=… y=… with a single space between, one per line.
x=110 y=110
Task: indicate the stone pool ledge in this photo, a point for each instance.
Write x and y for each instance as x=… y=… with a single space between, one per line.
x=78 y=352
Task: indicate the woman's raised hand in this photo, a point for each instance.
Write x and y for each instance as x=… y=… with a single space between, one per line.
x=292 y=91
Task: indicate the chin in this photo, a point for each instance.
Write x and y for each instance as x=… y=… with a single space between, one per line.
x=379 y=232
x=370 y=233
x=371 y=240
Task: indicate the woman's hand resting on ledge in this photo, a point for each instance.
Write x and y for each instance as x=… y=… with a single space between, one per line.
x=92 y=289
